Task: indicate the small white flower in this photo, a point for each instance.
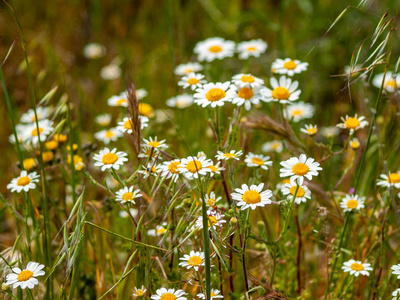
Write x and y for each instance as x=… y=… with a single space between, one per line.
x=396 y=294
x=396 y=270
x=311 y=130
x=107 y=159
x=25 y=278
x=146 y=151
x=94 y=51
x=127 y=195
x=354 y=143
x=215 y=94
x=391 y=84
x=191 y=167
x=193 y=260
x=160 y=230
x=215 y=219
x=247 y=96
x=141 y=93
x=31 y=132
x=288 y=66
x=124 y=214
x=151 y=169
x=251 y=197
x=192 y=80
x=353 y=123
x=215 y=169
x=170 y=294
x=118 y=100
x=139 y=292
x=180 y=101
x=356 y=267
x=108 y=135
x=392 y=180
x=214 y=48
x=251 y=48
x=188 y=68
x=110 y=72
x=41 y=112
x=228 y=155
x=211 y=200
x=24 y=182
x=103 y=120
x=298 y=111
x=126 y=124
x=169 y=169
x=215 y=294
x=330 y=132
x=247 y=80
x=253 y=160
x=303 y=193
x=274 y=146
x=352 y=202
x=154 y=143
x=298 y=168
x=284 y=91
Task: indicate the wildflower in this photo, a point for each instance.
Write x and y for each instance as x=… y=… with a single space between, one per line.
x=215 y=219
x=20 y=130
x=51 y=145
x=215 y=169
x=352 y=123
x=396 y=270
x=214 y=94
x=354 y=143
x=253 y=160
x=94 y=51
x=24 y=182
x=281 y=184
x=211 y=200
x=127 y=195
x=139 y=292
x=214 y=294
x=110 y=72
x=108 y=135
x=191 y=167
x=151 y=169
x=160 y=230
x=74 y=147
x=228 y=155
x=27 y=277
x=274 y=146
x=247 y=96
x=252 y=196
x=180 y=101
x=169 y=169
x=193 y=260
x=141 y=93
x=330 y=132
x=188 y=68
x=311 y=130
x=47 y=156
x=147 y=151
x=170 y=294
x=118 y=100
x=392 y=180
x=146 y=110
x=60 y=137
x=126 y=124
x=391 y=84
x=288 y=66
x=299 y=111
x=79 y=166
x=214 y=48
x=154 y=143
x=396 y=294
x=32 y=134
x=298 y=168
x=251 y=48
x=303 y=193
x=192 y=80
x=247 y=80
x=107 y=159
x=132 y=211
x=284 y=91
x=352 y=202
x=103 y=120
x=41 y=112
x=356 y=267
x=28 y=163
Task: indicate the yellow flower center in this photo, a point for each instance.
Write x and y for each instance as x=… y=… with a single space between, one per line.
x=355 y=145
x=109 y=158
x=229 y=155
x=215 y=94
x=300 y=169
x=193 y=166
x=145 y=109
x=127 y=196
x=168 y=296
x=257 y=161
x=211 y=202
x=128 y=124
x=28 y=163
x=280 y=93
x=35 y=131
x=121 y=101
x=290 y=65
x=275 y=145
x=215 y=49
x=60 y=137
x=245 y=93
x=300 y=192
x=252 y=48
x=195 y=260
x=47 y=156
x=172 y=167
x=193 y=81
x=154 y=144
x=352 y=203
x=161 y=230
x=357 y=267
x=77 y=159
x=312 y=131
x=212 y=294
x=352 y=123
x=394 y=178
x=297 y=112
x=213 y=168
x=247 y=78
x=25 y=275
x=109 y=134
x=139 y=293
x=188 y=71
x=391 y=83
x=212 y=220
x=39 y=117
x=22 y=181
x=251 y=197
x=286 y=181
x=51 y=145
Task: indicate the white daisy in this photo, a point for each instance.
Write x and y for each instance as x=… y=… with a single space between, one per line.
x=253 y=160
x=303 y=193
x=23 y=182
x=31 y=132
x=251 y=48
x=25 y=278
x=288 y=66
x=154 y=143
x=214 y=94
x=108 y=135
x=214 y=48
x=147 y=151
x=151 y=169
x=192 y=80
x=110 y=72
x=392 y=180
x=356 y=267
x=94 y=51
x=228 y=155
x=215 y=169
x=193 y=260
x=127 y=195
x=352 y=202
x=191 y=167
x=103 y=120
x=247 y=96
x=354 y=143
x=330 y=132
x=396 y=270
x=252 y=196
x=169 y=169
x=107 y=159
x=215 y=219
x=392 y=81
x=311 y=130
x=298 y=168
x=20 y=129
x=118 y=100
x=352 y=123
x=160 y=230
x=215 y=294
x=141 y=93
x=139 y=292
x=123 y=214
x=180 y=101
x=170 y=294
x=211 y=200
x=274 y=146
x=247 y=80
x=42 y=114
x=396 y=294
x=284 y=91
x=188 y=68
x=298 y=111
x=126 y=124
